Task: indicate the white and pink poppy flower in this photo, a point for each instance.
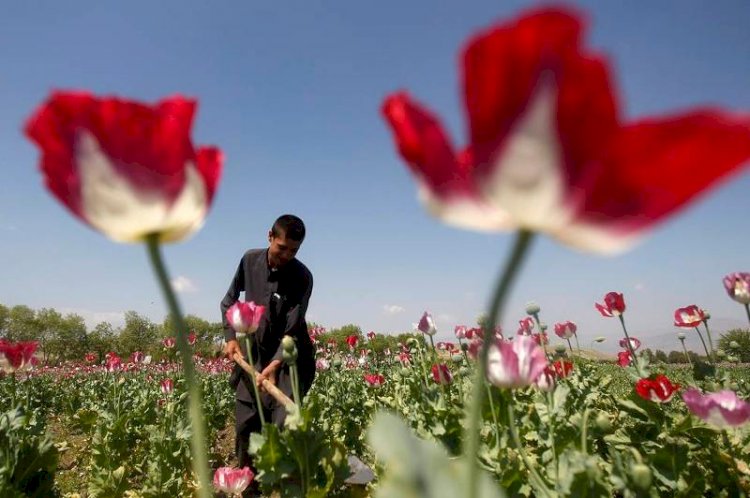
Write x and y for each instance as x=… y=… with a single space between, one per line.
x=167 y=386
x=244 y=317
x=232 y=481
x=426 y=325
x=460 y=331
x=689 y=317
x=515 y=364
x=635 y=343
x=441 y=374
x=565 y=330
x=525 y=326
x=738 y=286
x=126 y=168
x=722 y=409
x=548 y=149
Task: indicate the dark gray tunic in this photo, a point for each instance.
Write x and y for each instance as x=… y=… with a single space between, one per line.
x=285 y=293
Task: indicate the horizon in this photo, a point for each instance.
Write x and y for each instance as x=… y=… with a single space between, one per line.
x=292 y=97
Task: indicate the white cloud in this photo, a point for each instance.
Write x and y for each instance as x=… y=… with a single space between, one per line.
x=639 y=286
x=393 y=309
x=445 y=317
x=182 y=284
x=92 y=318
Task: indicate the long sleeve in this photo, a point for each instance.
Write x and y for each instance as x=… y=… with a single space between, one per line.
x=237 y=286
x=295 y=318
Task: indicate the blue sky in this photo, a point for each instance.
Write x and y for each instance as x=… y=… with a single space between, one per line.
x=291 y=92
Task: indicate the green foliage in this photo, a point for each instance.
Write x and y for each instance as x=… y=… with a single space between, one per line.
x=28 y=459
x=420 y=468
x=736 y=342
x=299 y=461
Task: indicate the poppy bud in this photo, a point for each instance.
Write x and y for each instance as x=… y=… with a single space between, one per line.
x=641 y=475
x=604 y=423
x=288 y=344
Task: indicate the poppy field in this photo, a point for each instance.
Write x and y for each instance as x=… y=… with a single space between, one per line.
x=554 y=424
x=492 y=413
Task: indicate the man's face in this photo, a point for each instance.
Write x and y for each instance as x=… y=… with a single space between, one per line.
x=281 y=250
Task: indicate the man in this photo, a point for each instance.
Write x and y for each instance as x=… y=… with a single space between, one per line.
x=274 y=278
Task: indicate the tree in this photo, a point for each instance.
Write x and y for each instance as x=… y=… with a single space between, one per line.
x=208 y=334
x=736 y=342
x=102 y=340
x=70 y=341
x=49 y=322
x=22 y=324
x=339 y=336
x=4 y=319
x=661 y=356
x=139 y=334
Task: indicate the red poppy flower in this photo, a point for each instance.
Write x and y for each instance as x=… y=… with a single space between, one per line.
x=441 y=374
x=659 y=389
x=562 y=368
x=374 y=380
x=548 y=149
x=126 y=168
x=18 y=354
x=614 y=304
x=624 y=358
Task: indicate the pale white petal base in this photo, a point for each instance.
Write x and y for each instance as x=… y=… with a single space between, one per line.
x=526 y=188
x=127 y=214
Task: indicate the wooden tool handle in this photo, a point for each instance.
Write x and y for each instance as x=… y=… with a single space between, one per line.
x=267 y=385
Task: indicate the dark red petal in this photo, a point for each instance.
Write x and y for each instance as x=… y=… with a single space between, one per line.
x=209 y=161
x=53 y=128
x=504 y=67
x=147 y=145
x=423 y=144
x=655 y=167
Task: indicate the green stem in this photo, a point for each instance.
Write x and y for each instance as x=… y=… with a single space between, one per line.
x=578 y=346
x=710 y=341
x=534 y=475
x=708 y=355
x=686 y=353
x=198 y=437
x=630 y=346
x=494 y=417
x=570 y=347
x=295 y=382
x=747 y=310
x=585 y=430
x=258 y=403
x=552 y=435
x=463 y=351
x=510 y=270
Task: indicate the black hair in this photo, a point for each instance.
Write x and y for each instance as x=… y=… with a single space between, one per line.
x=290 y=226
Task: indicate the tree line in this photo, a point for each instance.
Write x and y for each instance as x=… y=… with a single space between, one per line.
x=67 y=338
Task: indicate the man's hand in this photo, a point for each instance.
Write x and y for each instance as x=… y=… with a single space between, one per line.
x=231 y=347
x=268 y=373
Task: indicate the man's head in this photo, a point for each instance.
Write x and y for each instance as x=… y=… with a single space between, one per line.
x=284 y=239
